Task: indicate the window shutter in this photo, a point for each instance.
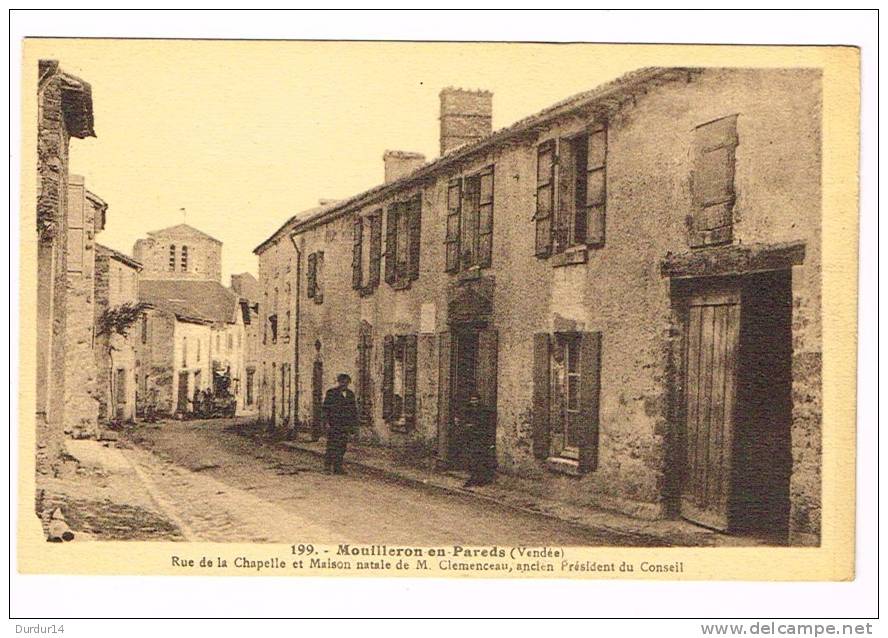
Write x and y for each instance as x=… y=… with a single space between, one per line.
x=451 y=240
x=388 y=375
x=596 y=186
x=590 y=390
x=444 y=381
x=486 y=373
x=485 y=219
x=545 y=198
x=410 y=380
x=375 y=248
x=357 y=238
x=712 y=182
x=391 y=244
x=468 y=242
x=312 y=275
x=414 y=230
x=541 y=389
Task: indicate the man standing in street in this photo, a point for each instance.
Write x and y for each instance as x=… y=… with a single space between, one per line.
x=341 y=413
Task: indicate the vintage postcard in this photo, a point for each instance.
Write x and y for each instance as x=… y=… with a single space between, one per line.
x=438 y=309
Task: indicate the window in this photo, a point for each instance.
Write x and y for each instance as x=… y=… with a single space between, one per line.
x=367 y=252
x=399 y=380
x=469 y=238
x=184 y=352
x=712 y=183
x=365 y=350
x=287 y=327
x=172 y=261
x=273 y=326
x=402 y=241
x=566 y=393
x=184 y=258
x=314 y=286
x=571 y=192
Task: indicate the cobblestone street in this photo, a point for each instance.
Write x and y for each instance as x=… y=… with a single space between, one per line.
x=220 y=486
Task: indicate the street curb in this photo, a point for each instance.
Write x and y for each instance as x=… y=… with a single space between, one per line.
x=395 y=477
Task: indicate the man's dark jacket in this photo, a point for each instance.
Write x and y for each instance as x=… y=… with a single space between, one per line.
x=340 y=409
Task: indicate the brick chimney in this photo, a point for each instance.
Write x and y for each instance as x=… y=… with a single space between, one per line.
x=466 y=116
x=401 y=163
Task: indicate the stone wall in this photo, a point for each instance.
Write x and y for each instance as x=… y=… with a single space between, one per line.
x=81 y=389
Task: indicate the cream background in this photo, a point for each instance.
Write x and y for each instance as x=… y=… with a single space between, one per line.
x=247 y=163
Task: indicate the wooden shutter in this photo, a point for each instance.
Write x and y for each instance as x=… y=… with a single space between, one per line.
x=486 y=372
x=388 y=376
x=451 y=240
x=545 y=198
x=541 y=389
x=357 y=238
x=410 y=342
x=312 y=275
x=485 y=219
x=375 y=248
x=414 y=230
x=444 y=384
x=712 y=182
x=596 y=186
x=590 y=391
x=391 y=244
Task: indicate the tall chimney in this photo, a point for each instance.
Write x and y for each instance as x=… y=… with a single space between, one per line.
x=400 y=163
x=466 y=116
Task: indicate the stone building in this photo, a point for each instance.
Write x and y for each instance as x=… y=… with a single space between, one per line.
x=86 y=218
x=179 y=252
x=629 y=280
x=246 y=286
x=278 y=331
x=64 y=110
x=192 y=337
x=117 y=364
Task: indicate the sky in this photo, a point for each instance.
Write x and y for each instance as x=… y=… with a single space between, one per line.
x=242 y=134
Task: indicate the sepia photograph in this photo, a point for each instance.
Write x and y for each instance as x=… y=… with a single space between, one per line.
x=451 y=309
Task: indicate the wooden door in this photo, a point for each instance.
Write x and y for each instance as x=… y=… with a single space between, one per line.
x=712 y=338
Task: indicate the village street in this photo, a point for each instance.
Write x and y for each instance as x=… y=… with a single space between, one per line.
x=218 y=485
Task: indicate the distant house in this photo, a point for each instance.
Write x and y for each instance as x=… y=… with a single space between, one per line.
x=117 y=363
x=193 y=337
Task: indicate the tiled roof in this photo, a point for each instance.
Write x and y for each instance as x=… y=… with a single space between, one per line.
x=604 y=97
x=290 y=224
x=119 y=256
x=184 y=228
x=204 y=300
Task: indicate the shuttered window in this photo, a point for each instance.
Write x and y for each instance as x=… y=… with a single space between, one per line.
x=469 y=238
x=314 y=284
x=566 y=389
x=399 y=380
x=365 y=350
x=391 y=243
x=414 y=231
x=357 y=266
x=712 y=182
x=312 y=275
x=592 y=207
x=375 y=249
x=545 y=198
x=451 y=241
x=485 y=218
x=403 y=237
